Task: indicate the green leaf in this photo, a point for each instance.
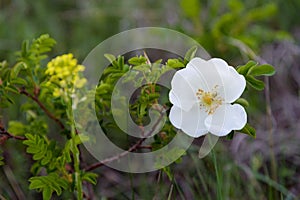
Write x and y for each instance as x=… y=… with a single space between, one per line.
x=90 y=177
x=19 y=81
x=35 y=184
x=38 y=147
x=48 y=184
x=137 y=60
x=47 y=193
x=255 y=83
x=121 y=62
x=103 y=88
x=175 y=63
x=158 y=61
x=24 y=48
x=111 y=58
x=190 y=54
x=266 y=70
x=16 y=128
x=33 y=53
x=243 y=102
x=80 y=138
x=12 y=89
x=245 y=68
x=17 y=68
x=142 y=68
x=47 y=158
x=249 y=130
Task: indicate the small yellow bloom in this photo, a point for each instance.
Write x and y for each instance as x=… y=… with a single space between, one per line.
x=63 y=73
x=57 y=92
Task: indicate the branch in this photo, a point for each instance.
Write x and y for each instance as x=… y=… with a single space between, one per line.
x=42 y=106
x=4 y=135
x=136 y=146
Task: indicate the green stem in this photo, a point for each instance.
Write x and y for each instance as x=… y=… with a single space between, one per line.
x=219 y=184
x=76 y=154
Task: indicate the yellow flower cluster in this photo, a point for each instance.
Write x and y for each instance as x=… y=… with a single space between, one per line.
x=64 y=73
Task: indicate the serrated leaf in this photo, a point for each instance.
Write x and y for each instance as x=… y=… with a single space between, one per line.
x=249 y=130
x=266 y=70
x=255 y=83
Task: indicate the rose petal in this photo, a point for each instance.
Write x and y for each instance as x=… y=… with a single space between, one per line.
x=184 y=87
x=191 y=122
x=232 y=83
x=207 y=72
x=225 y=119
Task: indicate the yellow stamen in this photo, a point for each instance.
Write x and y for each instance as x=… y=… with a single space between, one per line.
x=209 y=100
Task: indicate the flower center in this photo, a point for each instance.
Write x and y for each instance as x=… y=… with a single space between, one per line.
x=209 y=100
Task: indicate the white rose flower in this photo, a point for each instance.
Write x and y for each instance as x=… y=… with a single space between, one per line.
x=202 y=95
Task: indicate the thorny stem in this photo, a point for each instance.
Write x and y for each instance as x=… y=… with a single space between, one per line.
x=4 y=134
x=9 y=135
x=136 y=146
x=42 y=106
x=34 y=97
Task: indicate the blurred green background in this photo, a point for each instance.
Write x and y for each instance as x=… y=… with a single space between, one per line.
x=267 y=167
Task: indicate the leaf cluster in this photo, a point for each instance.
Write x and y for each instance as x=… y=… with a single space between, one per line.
x=143 y=74
x=55 y=160
x=48 y=184
x=252 y=70
x=27 y=72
